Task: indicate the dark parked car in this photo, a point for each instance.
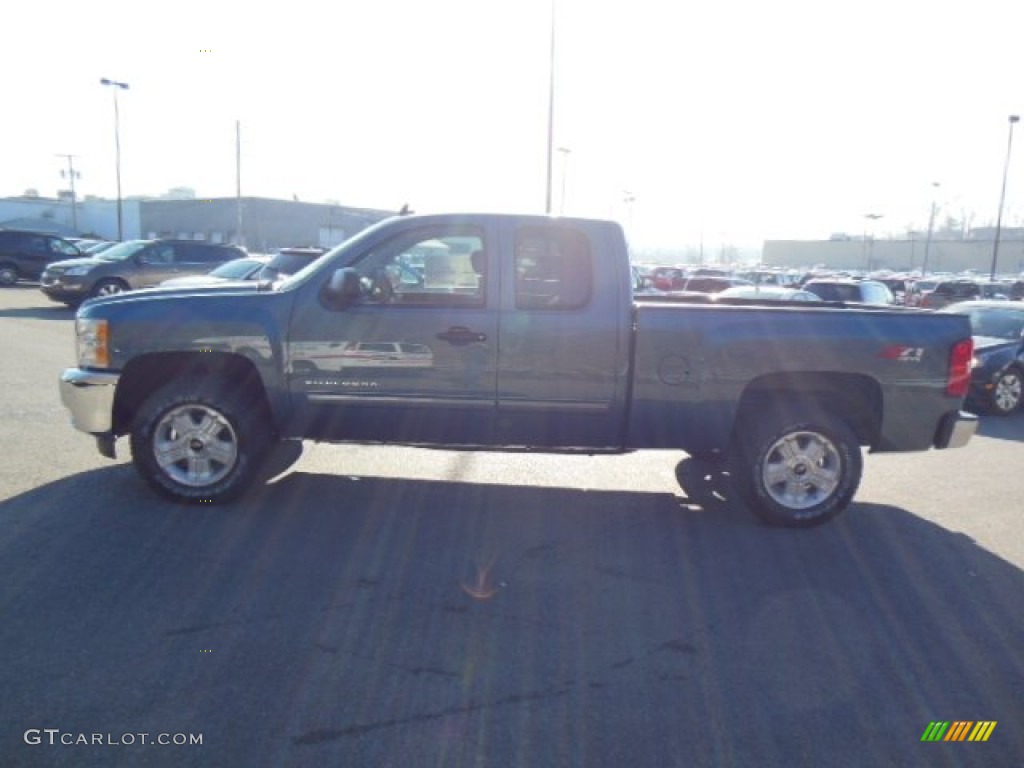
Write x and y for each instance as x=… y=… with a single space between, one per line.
x=131 y=265
x=950 y=292
x=997 y=377
x=854 y=291
x=898 y=285
x=24 y=255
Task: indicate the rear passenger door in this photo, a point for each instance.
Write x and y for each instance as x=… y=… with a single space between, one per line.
x=563 y=357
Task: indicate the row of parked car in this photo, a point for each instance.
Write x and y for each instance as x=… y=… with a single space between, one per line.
x=929 y=293
x=70 y=272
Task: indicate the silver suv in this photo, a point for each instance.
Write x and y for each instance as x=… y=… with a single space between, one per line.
x=131 y=265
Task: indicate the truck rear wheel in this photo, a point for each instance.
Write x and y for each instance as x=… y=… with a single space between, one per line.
x=196 y=442
x=798 y=473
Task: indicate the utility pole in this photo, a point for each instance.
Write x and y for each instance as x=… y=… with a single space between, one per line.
x=928 y=239
x=551 y=113
x=239 y=239
x=116 y=86
x=1002 y=200
x=72 y=174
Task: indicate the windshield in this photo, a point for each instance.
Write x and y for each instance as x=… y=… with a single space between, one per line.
x=239 y=269
x=123 y=251
x=97 y=248
x=995 y=323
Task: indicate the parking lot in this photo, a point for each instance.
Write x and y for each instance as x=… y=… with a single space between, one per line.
x=395 y=606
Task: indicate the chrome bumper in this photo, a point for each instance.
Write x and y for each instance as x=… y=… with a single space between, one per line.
x=89 y=395
x=956 y=429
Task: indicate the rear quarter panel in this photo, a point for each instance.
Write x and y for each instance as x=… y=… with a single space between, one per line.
x=694 y=364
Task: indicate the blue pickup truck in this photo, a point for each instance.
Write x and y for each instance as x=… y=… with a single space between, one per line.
x=511 y=332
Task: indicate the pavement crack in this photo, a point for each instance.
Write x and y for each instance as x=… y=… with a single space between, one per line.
x=321 y=735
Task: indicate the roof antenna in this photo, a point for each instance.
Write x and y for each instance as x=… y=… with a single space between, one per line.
x=405 y=210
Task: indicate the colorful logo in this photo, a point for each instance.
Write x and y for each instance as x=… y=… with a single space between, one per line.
x=959 y=730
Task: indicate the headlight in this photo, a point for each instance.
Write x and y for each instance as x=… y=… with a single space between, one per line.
x=92 y=339
x=78 y=271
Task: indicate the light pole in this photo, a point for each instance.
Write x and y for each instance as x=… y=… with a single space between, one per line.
x=117 y=150
x=931 y=228
x=551 y=112
x=1002 y=199
x=72 y=175
x=869 y=245
x=629 y=198
x=565 y=172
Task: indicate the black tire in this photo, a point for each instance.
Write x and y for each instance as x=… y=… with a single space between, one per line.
x=8 y=274
x=213 y=441
x=108 y=287
x=1006 y=395
x=795 y=472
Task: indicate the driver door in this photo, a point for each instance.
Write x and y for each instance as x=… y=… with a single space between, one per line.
x=414 y=357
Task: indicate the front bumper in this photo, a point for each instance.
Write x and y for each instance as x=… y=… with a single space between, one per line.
x=89 y=395
x=956 y=429
x=63 y=287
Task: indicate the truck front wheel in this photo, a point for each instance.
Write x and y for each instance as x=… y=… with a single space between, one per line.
x=196 y=442
x=798 y=473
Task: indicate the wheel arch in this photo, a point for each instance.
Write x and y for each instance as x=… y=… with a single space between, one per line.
x=856 y=399
x=146 y=374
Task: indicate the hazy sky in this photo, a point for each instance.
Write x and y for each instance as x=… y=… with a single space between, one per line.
x=737 y=120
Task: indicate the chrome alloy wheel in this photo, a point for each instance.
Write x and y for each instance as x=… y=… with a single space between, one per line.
x=195 y=445
x=1007 y=393
x=801 y=470
x=109 y=288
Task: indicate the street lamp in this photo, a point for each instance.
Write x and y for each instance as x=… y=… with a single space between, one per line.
x=931 y=228
x=1002 y=198
x=117 y=151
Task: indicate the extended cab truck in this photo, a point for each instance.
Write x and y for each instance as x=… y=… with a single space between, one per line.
x=525 y=334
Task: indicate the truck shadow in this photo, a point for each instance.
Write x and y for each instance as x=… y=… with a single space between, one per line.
x=1002 y=427
x=55 y=312
x=471 y=604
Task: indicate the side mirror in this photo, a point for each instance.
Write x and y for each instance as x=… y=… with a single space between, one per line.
x=345 y=286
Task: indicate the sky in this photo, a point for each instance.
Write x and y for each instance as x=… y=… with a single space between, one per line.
x=730 y=121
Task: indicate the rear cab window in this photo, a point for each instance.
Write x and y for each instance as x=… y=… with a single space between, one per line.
x=553 y=268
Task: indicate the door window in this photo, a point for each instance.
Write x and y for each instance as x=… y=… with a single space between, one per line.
x=160 y=253
x=426 y=267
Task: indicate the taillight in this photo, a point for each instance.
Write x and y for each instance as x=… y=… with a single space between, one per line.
x=960 y=368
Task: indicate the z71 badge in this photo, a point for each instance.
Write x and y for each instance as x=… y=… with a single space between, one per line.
x=903 y=354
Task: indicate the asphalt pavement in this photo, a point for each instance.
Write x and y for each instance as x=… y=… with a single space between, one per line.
x=380 y=606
